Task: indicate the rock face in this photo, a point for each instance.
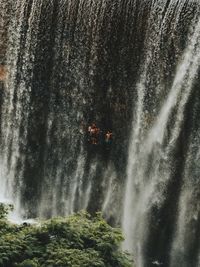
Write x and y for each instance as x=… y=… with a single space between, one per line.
x=129 y=66
x=4 y=25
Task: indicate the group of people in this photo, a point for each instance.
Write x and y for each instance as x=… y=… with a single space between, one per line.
x=96 y=136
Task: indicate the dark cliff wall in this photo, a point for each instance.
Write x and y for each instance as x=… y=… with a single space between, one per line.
x=71 y=63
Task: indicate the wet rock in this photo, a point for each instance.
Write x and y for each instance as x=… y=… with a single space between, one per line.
x=3 y=72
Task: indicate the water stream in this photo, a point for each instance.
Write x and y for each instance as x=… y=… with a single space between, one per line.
x=130 y=66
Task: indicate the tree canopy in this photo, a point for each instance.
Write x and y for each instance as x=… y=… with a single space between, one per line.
x=77 y=240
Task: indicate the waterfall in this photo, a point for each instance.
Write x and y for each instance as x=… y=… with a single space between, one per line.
x=131 y=67
x=57 y=86
x=149 y=169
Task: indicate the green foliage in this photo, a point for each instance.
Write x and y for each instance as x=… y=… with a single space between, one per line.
x=4 y=210
x=29 y=263
x=78 y=240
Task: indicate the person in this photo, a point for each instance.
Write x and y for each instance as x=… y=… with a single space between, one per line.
x=93 y=132
x=108 y=137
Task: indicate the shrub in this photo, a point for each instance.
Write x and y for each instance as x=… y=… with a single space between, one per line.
x=78 y=240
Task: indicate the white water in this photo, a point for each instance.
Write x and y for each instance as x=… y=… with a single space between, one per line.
x=189 y=208
x=15 y=119
x=142 y=186
x=68 y=177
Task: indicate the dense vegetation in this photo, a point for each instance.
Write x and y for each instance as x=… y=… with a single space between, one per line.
x=78 y=240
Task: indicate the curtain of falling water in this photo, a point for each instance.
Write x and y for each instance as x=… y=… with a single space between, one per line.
x=74 y=62
x=67 y=67
x=155 y=162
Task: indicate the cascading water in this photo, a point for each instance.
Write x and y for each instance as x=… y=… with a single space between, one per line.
x=60 y=80
x=131 y=67
x=152 y=164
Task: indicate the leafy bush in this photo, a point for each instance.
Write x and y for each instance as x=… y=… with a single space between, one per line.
x=78 y=240
x=4 y=210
